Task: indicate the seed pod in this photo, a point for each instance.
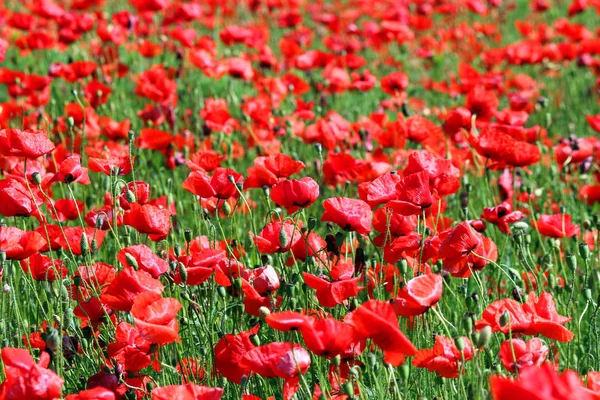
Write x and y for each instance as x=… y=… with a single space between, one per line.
x=264 y=311
x=182 y=272
x=584 y=251
x=312 y=222
x=36 y=178
x=283 y=239
x=504 y=319
x=85 y=247
x=485 y=336
x=131 y=261
x=188 y=234
x=221 y=291
x=336 y=360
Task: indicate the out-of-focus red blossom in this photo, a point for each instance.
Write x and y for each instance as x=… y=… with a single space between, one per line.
x=294 y=194
x=376 y=320
x=501 y=216
x=556 y=226
x=219 y=185
x=445 y=358
x=26 y=379
x=189 y=391
x=503 y=149
x=43 y=268
x=539 y=383
x=537 y=316
x=27 y=143
x=531 y=353
x=350 y=214
x=418 y=295
x=97 y=393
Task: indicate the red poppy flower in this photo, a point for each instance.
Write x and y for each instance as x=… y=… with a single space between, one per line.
x=127 y=285
x=27 y=143
x=229 y=351
x=97 y=393
x=269 y=170
x=341 y=287
x=68 y=209
x=152 y=220
x=502 y=148
x=42 y=268
x=270 y=239
x=501 y=216
x=107 y=165
x=201 y=265
x=219 y=185
x=462 y=251
x=70 y=238
x=70 y=170
x=18 y=244
x=350 y=214
x=394 y=83
x=526 y=354
x=380 y=190
x=326 y=337
x=413 y=195
x=537 y=316
x=418 y=295
x=189 y=391
x=376 y=320
x=277 y=359
x=155 y=85
x=145 y=259
x=444 y=358
x=264 y=279
x=556 y=226
x=130 y=349
x=444 y=177
x=155 y=317
x=27 y=380
x=539 y=383
x=16 y=199
x=293 y=194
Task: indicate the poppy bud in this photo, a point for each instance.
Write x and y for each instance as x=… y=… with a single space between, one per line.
x=336 y=360
x=571 y=261
x=404 y=371
x=221 y=291
x=403 y=266
x=339 y=239
x=520 y=226
x=504 y=319
x=485 y=336
x=348 y=388
x=460 y=343
x=468 y=324
x=584 y=251
x=319 y=148
x=130 y=196
x=255 y=340
x=226 y=208
x=94 y=246
x=283 y=239
x=177 y=250
x=264 y=311
x=237 y=283
x=36 y=178
x=182 y=272
x=85 y=247
x=70 y=122
x=312 y=222
x=587 y=294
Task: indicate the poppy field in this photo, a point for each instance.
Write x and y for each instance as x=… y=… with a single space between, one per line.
x=295 y=199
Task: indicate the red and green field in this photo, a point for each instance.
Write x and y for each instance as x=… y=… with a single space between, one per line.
x=288 y=199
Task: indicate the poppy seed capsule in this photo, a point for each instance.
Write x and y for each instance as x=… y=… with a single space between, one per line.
x=504 y=319
x=36 y=178
x=584 y=251
x=485 y=336
x=264 y=311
